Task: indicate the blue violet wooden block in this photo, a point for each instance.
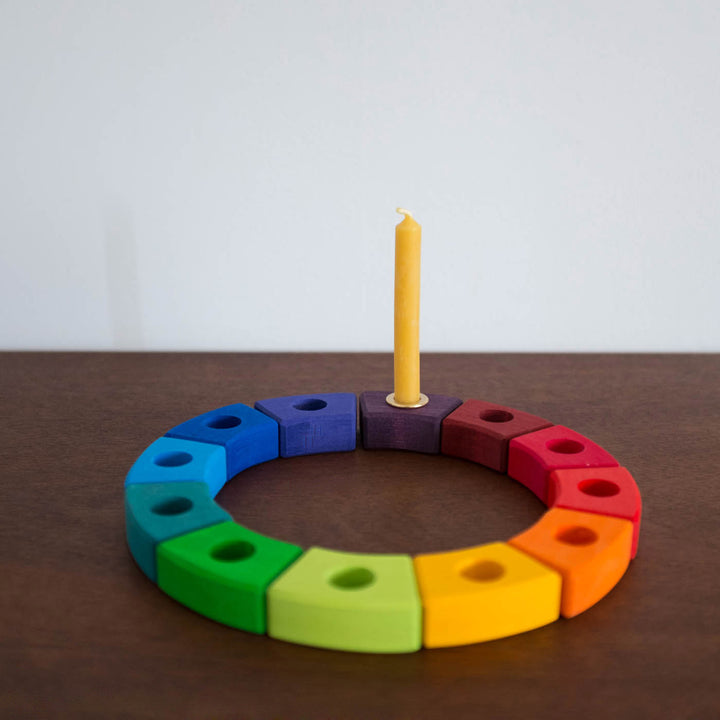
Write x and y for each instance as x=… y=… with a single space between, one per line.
x=248 y=436
x=155 y=512
x=174 y=460
x=309 y=424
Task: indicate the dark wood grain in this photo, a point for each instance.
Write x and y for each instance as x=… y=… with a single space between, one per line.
x=85 y=634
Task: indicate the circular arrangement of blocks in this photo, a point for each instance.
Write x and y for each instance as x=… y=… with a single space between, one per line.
x=565 y=563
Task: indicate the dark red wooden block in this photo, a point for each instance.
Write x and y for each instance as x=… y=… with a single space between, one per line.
x=532 y=457
x=481 y=431
x=605 y=491
x=417 y=429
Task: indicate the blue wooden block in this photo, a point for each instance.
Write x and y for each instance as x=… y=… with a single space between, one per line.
x=311 y=424
x=175 y=460
x=155 y=512
x=248 y=436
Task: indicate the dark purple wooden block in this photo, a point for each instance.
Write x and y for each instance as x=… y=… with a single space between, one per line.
x=417 y=429
x=481 y=431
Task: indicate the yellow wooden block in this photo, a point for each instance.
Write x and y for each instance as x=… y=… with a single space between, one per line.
x=484 y=592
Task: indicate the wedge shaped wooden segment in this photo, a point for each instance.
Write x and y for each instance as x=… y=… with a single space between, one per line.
x=310 y=424
x=534 y=456
x=223 y=572
x=418 y=429
x=155 y=512
x=590 y=551
x=347 y=601
x=483 y=593
x=176 y=460
x=248 y=436
x=606 y=491
x=481 y=431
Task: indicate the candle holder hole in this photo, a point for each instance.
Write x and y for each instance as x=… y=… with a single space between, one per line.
x=311 y=404
x=577 y=535
x=599 y=488
x=483 y=571
x=496 y=416
x=223 y=422
x=175 y=458
x=233 y=551
x=565 y=446
x=353 y=578
x=173 y=506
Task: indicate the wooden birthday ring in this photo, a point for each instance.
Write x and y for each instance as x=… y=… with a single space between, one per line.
x=562 y=565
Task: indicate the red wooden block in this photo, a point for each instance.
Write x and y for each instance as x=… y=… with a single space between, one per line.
x=534 y=456
x=416 y=429
x=481 y=431
x=604 y=491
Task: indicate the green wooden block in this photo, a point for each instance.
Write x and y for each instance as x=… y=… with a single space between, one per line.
x=223 y=572
x=347 y=601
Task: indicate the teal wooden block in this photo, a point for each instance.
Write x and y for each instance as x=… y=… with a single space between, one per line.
x=223 y=572
x=347 y=601
x=155 y=512
x=174 y=460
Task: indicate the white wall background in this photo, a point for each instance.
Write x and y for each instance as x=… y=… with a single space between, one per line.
x=223 y=175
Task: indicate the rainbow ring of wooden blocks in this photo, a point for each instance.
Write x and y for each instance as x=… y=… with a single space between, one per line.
x=565 y=563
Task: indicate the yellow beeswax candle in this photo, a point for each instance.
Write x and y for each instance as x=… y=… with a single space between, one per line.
x=407 y=314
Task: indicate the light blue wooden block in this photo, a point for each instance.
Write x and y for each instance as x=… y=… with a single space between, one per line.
x=174 y=460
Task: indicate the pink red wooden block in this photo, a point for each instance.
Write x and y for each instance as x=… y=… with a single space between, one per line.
x=534 y=456
x=481 y=432
x=605 y=491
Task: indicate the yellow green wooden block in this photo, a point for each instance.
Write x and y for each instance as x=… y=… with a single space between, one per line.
x=347 y=601
x=223 y=572
x=484 y=592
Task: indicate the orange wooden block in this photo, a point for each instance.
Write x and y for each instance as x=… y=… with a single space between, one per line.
x=590 y=551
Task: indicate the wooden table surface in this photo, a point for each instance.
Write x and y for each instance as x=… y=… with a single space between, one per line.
x=85 y=634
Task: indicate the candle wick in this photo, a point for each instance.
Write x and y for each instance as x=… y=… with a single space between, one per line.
x=407 y=213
